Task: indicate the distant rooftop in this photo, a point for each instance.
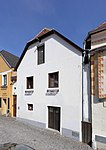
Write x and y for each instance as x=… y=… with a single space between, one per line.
x=42 y=32
x=10 y=59
x=101 y=27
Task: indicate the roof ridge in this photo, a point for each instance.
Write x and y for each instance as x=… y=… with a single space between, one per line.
x=40 y=33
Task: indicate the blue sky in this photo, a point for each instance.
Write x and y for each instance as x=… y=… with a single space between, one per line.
x=21 y=20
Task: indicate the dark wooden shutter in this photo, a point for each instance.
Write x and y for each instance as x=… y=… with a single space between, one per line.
x=87 y=133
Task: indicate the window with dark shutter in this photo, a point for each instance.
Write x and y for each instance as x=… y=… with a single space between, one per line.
x=54 y=80
x=41 y=54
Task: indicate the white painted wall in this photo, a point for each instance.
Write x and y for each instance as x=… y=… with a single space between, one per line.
x=14 y=89
x=62 y=57
x=86 y=93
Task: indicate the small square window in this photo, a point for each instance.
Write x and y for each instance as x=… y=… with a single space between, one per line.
x=30 y=107
x=29 y=82
x=54 y=80
x=41 y=54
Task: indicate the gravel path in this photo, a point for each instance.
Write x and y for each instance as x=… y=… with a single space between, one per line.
x=15 y=131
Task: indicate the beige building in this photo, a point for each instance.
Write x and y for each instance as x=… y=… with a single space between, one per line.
x=7 y=79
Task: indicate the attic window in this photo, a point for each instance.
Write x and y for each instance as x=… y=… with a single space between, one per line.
x=41 y=54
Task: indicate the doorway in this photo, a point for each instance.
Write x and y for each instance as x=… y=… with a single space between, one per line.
x=54 y=118
x=87 y=133
x=14 y=105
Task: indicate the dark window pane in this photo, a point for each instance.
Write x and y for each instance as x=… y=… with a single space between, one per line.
x=29 y=82
x=53 y=80
x=41 y=53
x=30 y=107
x=5 y=79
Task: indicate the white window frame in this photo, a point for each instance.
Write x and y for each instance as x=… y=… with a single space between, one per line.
x=3 y=79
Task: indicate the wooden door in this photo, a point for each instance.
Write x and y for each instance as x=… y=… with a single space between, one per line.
x=54 y=118
x=87 y=133
x=14 y=105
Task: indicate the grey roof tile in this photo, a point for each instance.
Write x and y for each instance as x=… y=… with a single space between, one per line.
x=9 y=58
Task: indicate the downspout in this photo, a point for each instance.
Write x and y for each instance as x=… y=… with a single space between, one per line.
x=82 y=85
x=90 y=119
x=87 y=51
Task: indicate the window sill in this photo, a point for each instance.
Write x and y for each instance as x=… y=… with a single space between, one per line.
x=52 y=92
x=29 y=92
x=3 y=86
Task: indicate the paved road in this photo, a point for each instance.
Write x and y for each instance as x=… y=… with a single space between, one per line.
x=15 y=131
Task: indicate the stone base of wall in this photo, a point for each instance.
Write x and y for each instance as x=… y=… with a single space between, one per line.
x=70 y=133
x=65 y=132
x=100 y=142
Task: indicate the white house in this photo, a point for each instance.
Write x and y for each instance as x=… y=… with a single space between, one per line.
x=96 y=43
x=49 y=84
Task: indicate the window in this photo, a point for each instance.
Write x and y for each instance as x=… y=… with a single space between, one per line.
x=30 y=107
x=30 y=82
x=54 y=80
x=4 y=80
x=41 y=54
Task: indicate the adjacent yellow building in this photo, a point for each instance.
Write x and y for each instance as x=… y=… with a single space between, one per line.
x=8 y=77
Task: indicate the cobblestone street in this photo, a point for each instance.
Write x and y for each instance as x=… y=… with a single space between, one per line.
x=15 y=131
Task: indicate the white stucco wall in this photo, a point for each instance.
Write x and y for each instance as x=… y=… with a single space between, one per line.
x=86 y=106
x=62 y=57
x=14 y=89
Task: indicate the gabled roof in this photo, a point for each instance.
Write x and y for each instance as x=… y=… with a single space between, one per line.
x=43 y=34
x=100 y=28
x=9 y=58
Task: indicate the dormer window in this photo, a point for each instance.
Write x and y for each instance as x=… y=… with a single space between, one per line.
x=41 y=54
